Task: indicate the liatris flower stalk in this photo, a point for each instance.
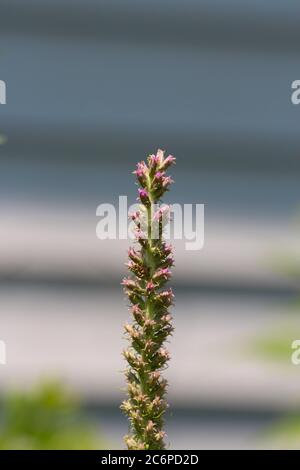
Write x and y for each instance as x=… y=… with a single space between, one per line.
x=150 y=302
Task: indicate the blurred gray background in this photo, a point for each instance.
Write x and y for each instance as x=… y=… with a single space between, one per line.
x=94 y=86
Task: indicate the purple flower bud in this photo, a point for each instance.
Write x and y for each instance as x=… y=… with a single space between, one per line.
x=158 y=176
x=141 y=172
x=143 y=192
x=144 y=196
x=141 y=169
x=169 y=261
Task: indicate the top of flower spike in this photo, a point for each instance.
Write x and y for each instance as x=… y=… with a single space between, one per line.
x=155 y=162
x=158 y=162
x=152 y=177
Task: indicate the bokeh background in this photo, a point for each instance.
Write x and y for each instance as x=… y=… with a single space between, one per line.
x=92 y=87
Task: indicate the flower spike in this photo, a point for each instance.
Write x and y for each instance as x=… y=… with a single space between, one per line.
x=151 y=325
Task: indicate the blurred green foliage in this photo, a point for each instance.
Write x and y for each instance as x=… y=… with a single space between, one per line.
x=46 y=417
x=2 y=139
x=275 y=345
x=288 y=261
x=285 y=434
x=288 y=265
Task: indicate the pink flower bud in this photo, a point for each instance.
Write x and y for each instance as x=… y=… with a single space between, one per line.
x=134 y=215
x=130 y=264
x=154 y=161
x=162 y=213
x=158 y=177
x=166 y=297
x=136 y=309
x=170 y=160
x=141 y=237
x=150 y=286
x=163 y=273
x=134 y=256
x=141 y=172
x=150 y=426
x=166 y=181
x=129 y=283
x=167 y=248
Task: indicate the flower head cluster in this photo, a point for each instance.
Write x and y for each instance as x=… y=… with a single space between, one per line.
x=149 y=265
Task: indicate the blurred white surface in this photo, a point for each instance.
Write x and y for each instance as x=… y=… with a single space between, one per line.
x=49 y=242
x=77 y=336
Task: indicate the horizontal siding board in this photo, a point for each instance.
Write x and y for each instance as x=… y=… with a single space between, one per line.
x=257 y=25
